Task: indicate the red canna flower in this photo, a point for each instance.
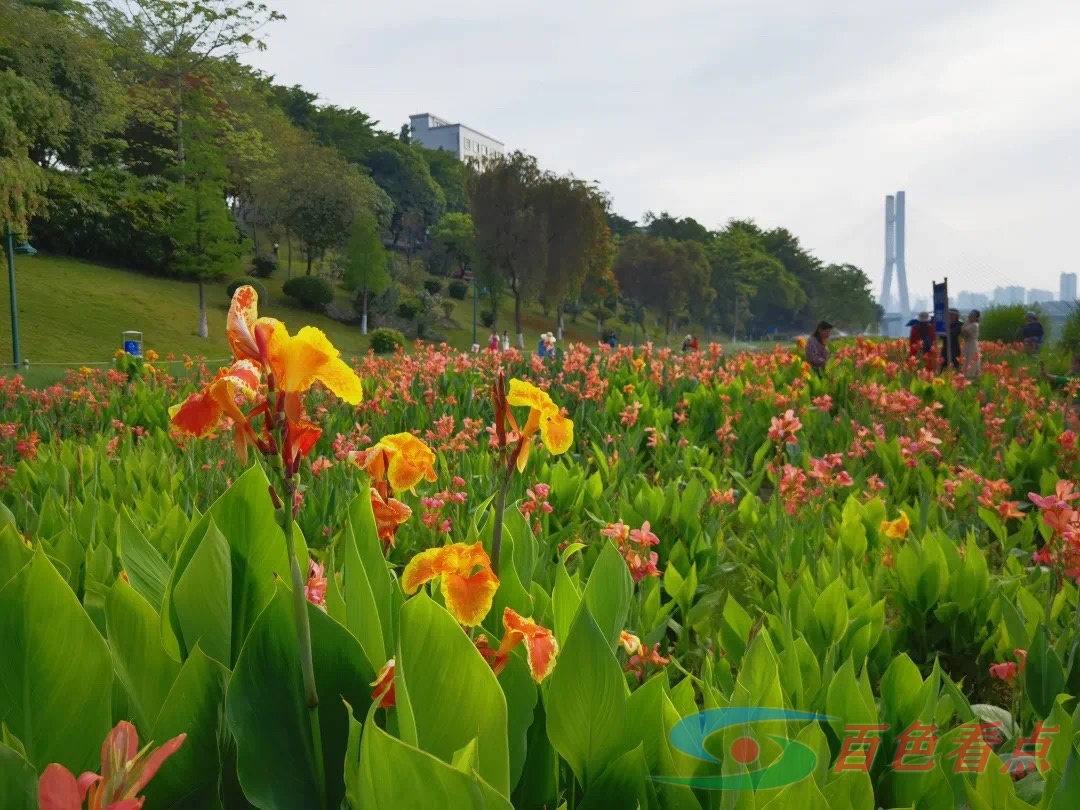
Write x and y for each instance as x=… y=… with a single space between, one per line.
x=125 y=771
x=384 y=686
x=315 y=590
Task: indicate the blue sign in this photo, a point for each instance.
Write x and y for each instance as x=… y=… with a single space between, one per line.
x=132 y=347
x=941 y=306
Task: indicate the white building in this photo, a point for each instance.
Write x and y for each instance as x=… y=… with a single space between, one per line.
x=1009 y=295
x=1067 y=289
x=1039 y=296
x=468 y=144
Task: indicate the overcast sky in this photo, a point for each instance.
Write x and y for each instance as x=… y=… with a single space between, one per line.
x=801 y=113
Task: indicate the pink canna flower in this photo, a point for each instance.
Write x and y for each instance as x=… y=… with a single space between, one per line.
x=125 y=771
x=315 y=590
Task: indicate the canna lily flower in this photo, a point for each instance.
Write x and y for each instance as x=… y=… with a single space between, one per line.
x=296 y=361
x=389 y=514
x=315 y=590
x=555 y=429
x=402 y=459
x=466 y=577
x=125 y=770
x=896 y=529
x=201 y=413
x=384 y=686
x=539 y=642
x=300 y=439
x=299 y=361
x=630 y=642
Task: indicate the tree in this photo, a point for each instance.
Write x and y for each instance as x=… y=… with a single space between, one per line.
x=454 y=235
x=28 y=114
x=405 y=134
x=66 y=59
x=844 y=295
x=449 y=173
x=576 y=231
x=403 y=174
x=365 y=263
x=207 y=244
x=511 y=242
x=666 y=226
x=179 y=37
x=621 y=227
x=662 y=273
x=414 y=230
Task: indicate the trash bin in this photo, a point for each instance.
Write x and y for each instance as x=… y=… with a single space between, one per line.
x=133 y=343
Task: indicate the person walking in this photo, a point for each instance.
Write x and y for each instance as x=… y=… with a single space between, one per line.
x=1032 y=333
x=950 y=341
x=817 y=347
x=969 y=337
x=493 y=341
x=506 y=341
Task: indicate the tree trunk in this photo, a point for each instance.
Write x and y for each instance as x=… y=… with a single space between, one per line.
x=517 y=321
x=559 y=328
x=204 y=330
x=179 y=116
x=309 y=261
x=363 y=315
x=288 y=243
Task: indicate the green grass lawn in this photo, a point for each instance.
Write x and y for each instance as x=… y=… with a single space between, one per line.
x=72 y=313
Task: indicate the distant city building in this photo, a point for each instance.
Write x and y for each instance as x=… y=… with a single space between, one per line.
x=1039 y=296
x=1009 y=295
x=971 y=300
x=1067 y=287
x=465 y=142
x=921 y=305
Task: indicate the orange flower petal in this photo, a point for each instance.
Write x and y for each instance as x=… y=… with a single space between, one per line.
x=469 y=598
x=198 y=415
x=539 y=642
x=523 y=455
x=389 y=514
x=243 y=312
x=422 y=568
x=301 y=360
x=408 y=460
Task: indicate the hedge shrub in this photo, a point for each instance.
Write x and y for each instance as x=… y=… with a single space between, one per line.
x=433 y=286
x=458 y=289
x=311 y=292
x=386 y=341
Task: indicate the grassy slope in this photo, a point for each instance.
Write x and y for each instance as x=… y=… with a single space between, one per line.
x=72 y=313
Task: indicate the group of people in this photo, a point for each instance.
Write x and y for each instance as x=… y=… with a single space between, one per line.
x=495 y=343
x=545 y=347
x=690 y=343
x=959 y=343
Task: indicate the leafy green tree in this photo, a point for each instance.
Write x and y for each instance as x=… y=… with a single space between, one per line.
x=365 y=264
x=662 y=273
x=178 y=38
x=454 y=235
x=843 y=295
x=666 y=226
x=28 y=114
x=511 y=243
x=66 y=59
x=207 y=243
x=400 y=170
x=449 y=173
x=348 y=130
x=621 y=227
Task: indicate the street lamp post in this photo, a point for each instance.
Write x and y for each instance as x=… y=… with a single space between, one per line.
x=11 y=250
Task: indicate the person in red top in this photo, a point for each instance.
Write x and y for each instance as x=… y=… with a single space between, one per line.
x=922 y=340
x=693 y=343
x=493 y=344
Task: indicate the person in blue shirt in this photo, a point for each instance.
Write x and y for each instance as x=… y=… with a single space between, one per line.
x=1032 y=333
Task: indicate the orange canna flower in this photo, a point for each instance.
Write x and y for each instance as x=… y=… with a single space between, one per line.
x=389 y=514
x=544 y=416
x=466 y=577
x=125 y=770
x=201 y=413
x=296 y=361
x=539 y=642
x=300 y=439
x=629 y=641
x=896 y=529
x=384 y=686
x=402 y=459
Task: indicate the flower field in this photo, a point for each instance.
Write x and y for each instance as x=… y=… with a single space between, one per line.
x=632 y=578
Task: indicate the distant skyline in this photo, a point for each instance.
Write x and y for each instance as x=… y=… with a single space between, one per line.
x=794 y=114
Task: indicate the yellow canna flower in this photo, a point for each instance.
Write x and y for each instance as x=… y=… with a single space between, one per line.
x=402 y=459
x=896 y=529
x=544 y=416
x=465 y=573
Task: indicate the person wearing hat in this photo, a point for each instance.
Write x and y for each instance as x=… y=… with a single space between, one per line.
x=817 y=347
x=686 y=344
x=542 y=346
x=950 y=341
x=1032 y=333
x=969 y=335
x=922 y=339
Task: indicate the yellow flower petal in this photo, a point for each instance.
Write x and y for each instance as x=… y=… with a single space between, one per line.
x=558 y=434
